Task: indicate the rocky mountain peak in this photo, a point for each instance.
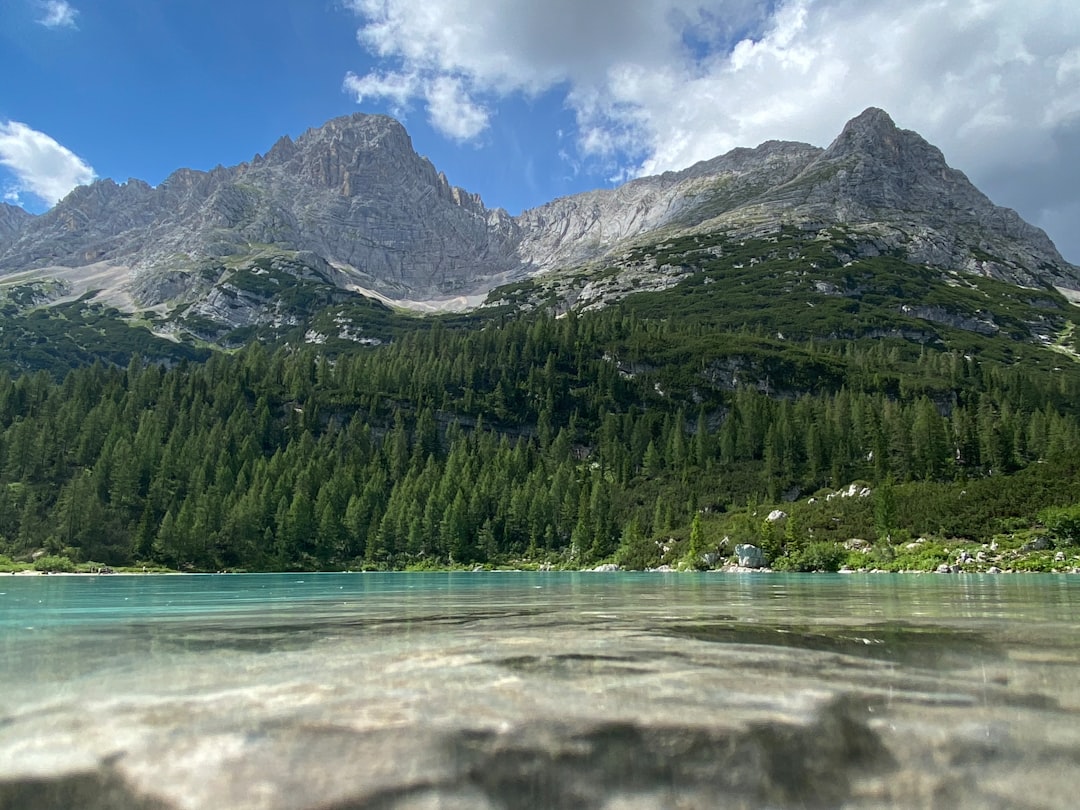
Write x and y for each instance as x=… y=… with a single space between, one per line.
x=899 y=158
x=346 y=155
x=355 y=193
x=899 y=189
x=12 y=220
x=871 y=125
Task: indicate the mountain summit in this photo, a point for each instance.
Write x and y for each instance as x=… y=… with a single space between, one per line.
x=359 y=205
x=352 y=191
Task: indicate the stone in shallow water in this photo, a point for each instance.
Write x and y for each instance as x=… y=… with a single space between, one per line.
x=540 y=764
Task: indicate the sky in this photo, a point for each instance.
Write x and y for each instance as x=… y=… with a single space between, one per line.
x=523 y=101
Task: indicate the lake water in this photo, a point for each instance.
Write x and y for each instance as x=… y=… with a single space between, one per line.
x=519 y=690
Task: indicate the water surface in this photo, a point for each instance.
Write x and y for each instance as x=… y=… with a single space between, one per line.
x=538 y=690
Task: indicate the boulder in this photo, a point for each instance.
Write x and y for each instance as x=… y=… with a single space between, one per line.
x=750 y=556
x=710 y=559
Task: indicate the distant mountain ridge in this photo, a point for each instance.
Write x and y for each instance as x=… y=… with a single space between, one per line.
x=361 y=207
x=352 y=191
x=885 y=182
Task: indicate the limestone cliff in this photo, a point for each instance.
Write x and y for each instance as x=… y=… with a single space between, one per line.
x=352 y=191
x=355 y=195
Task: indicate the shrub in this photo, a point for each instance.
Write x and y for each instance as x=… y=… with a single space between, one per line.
x=1063 y=524
x=53 y=564
x=820 y=556
x=8 y=565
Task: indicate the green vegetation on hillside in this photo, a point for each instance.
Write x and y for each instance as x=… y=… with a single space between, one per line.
x=631 y=434
x=898 y=417
x=70 y=335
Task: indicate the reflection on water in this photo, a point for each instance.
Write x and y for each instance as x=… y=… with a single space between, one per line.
x=538 y=690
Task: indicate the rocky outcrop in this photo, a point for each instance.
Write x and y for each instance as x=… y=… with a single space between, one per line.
x=576 y=229
x=750 y=556
x=12 y=221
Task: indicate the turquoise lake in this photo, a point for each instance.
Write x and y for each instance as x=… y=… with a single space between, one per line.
x=508 y=690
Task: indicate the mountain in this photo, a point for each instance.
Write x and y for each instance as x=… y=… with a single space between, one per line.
x=586 y=226
x=350 y=207
x=891 y=189
x=12 y=220
x=352 y=191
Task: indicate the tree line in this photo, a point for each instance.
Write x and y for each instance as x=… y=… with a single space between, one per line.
x=571 y=440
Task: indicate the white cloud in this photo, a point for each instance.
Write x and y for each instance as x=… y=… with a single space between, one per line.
x=659 y=84
x=453 y=111
x=41 y=166
x=398 y=88
x=58 y=14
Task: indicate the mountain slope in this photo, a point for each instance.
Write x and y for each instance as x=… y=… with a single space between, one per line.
x=585 y=226
x=351 y=207
x=893 y=183
x=893 y=192
x=352 y=191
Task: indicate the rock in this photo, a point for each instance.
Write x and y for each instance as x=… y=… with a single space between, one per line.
x=775 y=515
x=993 y=569
x=944 y=568
x=710 y=559
x=1059 y=557
x=1036 y=544
x=13 y=220
x=606 y=568
x=749 y=556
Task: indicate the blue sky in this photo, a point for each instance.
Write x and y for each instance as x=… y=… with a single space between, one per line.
x=528 y=100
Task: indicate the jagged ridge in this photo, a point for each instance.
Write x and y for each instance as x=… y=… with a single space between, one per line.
x=355 y=195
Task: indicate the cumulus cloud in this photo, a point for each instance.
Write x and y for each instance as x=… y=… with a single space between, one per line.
x=659 y=84
x=41 y=166
x=58 y=14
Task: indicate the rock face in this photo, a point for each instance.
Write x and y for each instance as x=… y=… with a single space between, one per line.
x=12 y=220
x=899 y=189
x=352 y=191
x=576 y=229
x=355 y=195
x=890 y=187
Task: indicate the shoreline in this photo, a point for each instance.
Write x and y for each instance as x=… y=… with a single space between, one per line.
x=733 y=569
